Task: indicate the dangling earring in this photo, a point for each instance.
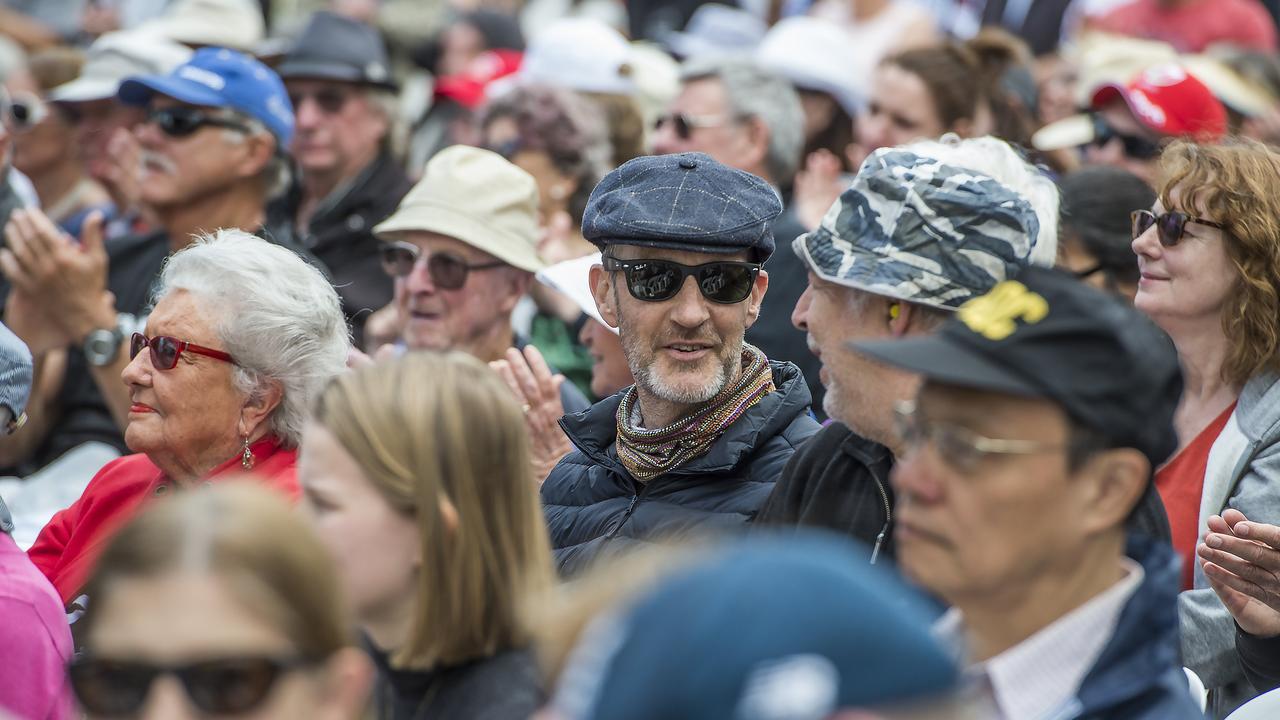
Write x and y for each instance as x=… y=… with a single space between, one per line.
x=247 y=459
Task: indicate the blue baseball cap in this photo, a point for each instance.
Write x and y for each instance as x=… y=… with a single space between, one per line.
x=218 y=77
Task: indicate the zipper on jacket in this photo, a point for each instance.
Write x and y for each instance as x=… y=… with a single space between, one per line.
x=888 y=519
x=635 y=500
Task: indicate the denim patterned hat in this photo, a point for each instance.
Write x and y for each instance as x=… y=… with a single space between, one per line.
x=918 y=229
x=683 y=202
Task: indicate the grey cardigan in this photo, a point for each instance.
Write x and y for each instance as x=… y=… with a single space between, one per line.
x=1243 y=473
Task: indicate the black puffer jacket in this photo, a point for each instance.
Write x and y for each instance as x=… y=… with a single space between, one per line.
x=592 y=502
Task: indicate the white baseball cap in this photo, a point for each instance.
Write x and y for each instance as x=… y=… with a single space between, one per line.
x=582 y=54
x=116 y=56
x=572 y=278
x=814 y=54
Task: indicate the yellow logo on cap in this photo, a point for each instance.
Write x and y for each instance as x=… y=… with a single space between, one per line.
x=992 y=316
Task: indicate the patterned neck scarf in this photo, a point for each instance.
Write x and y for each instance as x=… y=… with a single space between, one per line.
x=649 y=453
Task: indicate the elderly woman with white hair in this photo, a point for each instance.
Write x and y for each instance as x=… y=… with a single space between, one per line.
x=242 y=337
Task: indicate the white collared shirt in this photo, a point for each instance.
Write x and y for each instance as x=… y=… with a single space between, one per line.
x=1037 y=679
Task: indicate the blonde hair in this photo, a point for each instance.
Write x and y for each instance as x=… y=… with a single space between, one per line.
x=437 y=429
x=1235 y=184
x=246 y=535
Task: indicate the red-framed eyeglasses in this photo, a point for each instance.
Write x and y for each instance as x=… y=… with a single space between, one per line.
x=166 y=350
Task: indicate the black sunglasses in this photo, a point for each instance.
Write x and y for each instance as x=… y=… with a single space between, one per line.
x=227 y=686
x=331 y=100
x=180 y=121
x=1138 y=148
x=448 y=272
x=724 y=282
x=684 y=125
x=1169 y=226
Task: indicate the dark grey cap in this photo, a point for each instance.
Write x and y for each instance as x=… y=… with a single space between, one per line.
x=683 y=202
x=333 y=47
x=15 y=377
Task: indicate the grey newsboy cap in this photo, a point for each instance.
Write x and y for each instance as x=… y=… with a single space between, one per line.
x=683 y=202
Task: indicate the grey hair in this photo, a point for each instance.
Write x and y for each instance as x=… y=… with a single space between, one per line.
x=274 y=313
x=276 y=174
x=753 y=92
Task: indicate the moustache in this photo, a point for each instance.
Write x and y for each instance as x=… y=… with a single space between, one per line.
x=155 y=162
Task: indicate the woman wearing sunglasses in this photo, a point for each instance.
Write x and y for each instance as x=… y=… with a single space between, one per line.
x=242 y=337
x=1209 y=256
x=218 y=603
x=417 y=475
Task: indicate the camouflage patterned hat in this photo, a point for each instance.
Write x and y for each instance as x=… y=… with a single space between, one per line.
x=918 y=229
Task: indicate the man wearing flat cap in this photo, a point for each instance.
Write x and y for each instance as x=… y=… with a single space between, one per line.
x=339 y=82
x=1044 y=407
x=697 y=443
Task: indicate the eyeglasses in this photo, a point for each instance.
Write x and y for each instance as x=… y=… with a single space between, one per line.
x=447 y=271
x=330 y=100
x=180 y=121
x=684 y=124
x=226 y=686
x=724 y=282
x=166 y=350
x=959 y=447
x=1138 y=148
x=1169 y=226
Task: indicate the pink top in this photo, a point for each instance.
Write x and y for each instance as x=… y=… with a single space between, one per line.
x=35 y=640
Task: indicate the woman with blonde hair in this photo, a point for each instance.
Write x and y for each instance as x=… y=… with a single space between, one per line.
x=418 y=478
x=1209 y=261
x=218 y=602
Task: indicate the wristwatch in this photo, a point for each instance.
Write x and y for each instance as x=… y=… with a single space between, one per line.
x=103 y=345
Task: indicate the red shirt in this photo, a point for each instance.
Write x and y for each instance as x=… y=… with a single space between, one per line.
x=1181 y=483
x=1192 y=27
x=68 y=547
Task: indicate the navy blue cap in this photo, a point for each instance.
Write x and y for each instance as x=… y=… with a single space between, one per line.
x=1048 y=335
x=218 y=77
x=771 y=627
x=335 y=47
x=683 y=202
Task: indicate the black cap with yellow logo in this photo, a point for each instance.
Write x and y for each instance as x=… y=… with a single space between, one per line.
x=1048 y=335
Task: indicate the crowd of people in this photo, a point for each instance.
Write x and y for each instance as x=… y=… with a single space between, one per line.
x=586 y=360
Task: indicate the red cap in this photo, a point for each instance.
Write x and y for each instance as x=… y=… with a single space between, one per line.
x=1168 y=100
x=467 y=88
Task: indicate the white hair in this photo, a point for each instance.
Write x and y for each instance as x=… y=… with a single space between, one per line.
x=276 y=315
x=997 y=159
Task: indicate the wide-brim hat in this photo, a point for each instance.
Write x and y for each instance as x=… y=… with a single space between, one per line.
x=477 y=197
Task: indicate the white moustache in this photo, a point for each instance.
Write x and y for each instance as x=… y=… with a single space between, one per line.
x=154 y=162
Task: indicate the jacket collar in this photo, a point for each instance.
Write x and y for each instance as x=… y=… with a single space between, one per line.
x=594 y=431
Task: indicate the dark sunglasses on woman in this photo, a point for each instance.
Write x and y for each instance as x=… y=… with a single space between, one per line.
x=226 y=686
x=447 y=271
x=1169 y=226
x=1138 y=148
x=181 y=121
x=166 y=350
x=725 y=282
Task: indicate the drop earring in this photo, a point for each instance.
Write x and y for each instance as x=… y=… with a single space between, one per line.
x=246 y=458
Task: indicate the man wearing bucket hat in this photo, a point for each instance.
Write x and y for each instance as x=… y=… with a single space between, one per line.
x=1128 y=124
x=462 y=250
x=1044 y=407
x=339 y=83
x=698 y=441
x=211 y=148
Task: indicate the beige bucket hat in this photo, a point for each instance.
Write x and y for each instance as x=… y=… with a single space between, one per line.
x=478 y=197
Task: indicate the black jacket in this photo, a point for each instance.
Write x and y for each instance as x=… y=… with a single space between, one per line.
x=592 y=502
x=1260 y=658
x=506 y=686
x=340 y=234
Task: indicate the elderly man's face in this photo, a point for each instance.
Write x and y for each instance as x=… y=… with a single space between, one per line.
x=971 y=526
x=435 y=318
x=177 y=171
x=337 y=128
x=710 y=124
x=682 y=350
x=185 y=419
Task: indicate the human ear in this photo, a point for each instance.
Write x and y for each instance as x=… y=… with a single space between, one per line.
x=259 y=149
x=602 y=290
x=1114 y=482
x=756 y=299
x=258 y=406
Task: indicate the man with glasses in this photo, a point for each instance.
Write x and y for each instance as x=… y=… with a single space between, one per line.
x=1128 y=125
x=1044 y=408
x=211 y=153
x=462 y=251
x=697 y=443
x=339 y=82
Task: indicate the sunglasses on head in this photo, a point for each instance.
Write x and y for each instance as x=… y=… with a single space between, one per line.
x=724 y=282
x=1169 y=226
x=684 y=124
x=181 y=121
x=166 y=350
x=1138 y=148
x=447 y=271
x=226 y=686
x=330 y=100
